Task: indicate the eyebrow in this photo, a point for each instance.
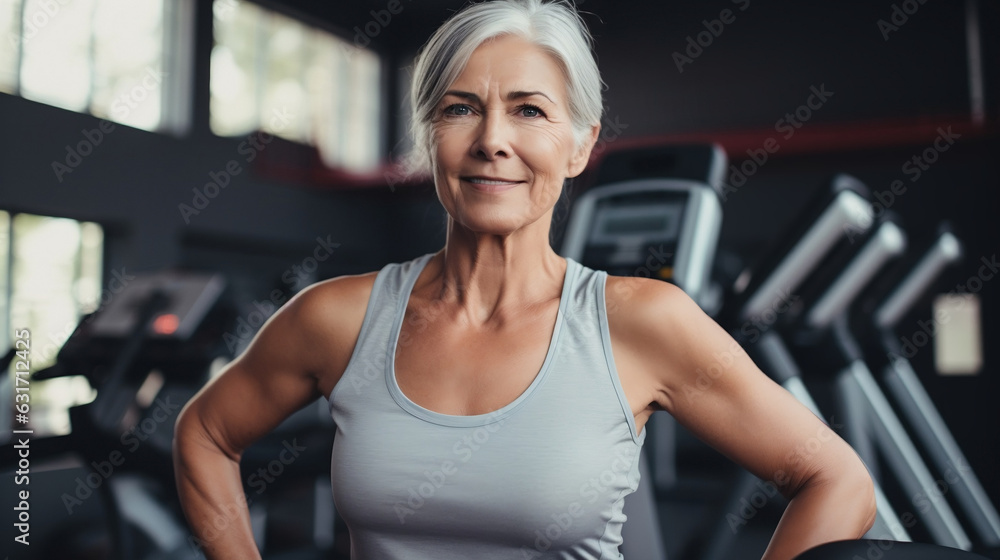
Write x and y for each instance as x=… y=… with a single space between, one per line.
x=510 y=96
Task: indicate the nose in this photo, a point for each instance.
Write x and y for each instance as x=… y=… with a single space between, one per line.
x=493 y=137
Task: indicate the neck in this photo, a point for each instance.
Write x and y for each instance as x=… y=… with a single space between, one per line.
x=489 y=277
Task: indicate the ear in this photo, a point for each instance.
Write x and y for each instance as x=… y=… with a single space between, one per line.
x=578 y=162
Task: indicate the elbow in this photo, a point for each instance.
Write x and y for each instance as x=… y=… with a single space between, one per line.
x=854 y=491
x=190 y=436
x=864 y=502
x=870 y=507
x=186 y=424
x=850 y=491
x=183 y=434
x=195 y=438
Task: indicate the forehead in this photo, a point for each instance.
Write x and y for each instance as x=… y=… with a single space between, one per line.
x=511 y=62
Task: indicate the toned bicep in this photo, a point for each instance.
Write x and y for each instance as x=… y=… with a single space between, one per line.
x=270 y=380
x=712 y=387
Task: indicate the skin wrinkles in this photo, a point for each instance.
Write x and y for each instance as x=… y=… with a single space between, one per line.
x=505 y=116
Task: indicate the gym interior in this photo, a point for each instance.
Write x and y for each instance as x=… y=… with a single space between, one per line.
x=818 y=177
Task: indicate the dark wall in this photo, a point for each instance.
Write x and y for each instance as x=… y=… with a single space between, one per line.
x=762 y=64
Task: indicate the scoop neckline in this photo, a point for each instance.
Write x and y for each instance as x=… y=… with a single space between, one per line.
x=462 y=420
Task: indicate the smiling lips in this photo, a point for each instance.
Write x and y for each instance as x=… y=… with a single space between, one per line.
x=490 y=184
x=480 y=180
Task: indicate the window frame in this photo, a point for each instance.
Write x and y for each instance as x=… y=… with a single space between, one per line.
x=384 y=125
x=177 y=60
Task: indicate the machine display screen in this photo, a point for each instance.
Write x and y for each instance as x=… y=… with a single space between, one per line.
x=630 y=221
x=652 y=223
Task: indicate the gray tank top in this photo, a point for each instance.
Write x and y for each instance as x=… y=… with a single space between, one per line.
x=543 y=477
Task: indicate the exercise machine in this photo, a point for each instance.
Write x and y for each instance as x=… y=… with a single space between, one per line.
x=879 y=318
x=885 y=550
x=773 y=293
x=146 y=351
x=827 y=344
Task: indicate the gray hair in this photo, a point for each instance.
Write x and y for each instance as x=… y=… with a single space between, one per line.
x=556 y=27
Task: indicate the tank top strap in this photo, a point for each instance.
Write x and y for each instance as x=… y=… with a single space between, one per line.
x=586 y=345
x=368 y=360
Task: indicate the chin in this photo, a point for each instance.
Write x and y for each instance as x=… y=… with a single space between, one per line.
x=493 y=224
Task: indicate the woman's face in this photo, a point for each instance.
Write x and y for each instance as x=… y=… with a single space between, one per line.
x=506 y=118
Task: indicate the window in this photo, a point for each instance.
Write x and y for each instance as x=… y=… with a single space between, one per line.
x=275 y=74
x=53 y=279
x=104 y=57
x=958 y=342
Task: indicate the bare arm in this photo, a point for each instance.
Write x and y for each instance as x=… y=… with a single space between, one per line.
x=706 y=380
x=275 y=376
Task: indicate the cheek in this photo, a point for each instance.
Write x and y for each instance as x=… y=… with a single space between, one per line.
x=449 y=145
x=551 y=149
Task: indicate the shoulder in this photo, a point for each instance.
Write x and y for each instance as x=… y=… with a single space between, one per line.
x=326 y=319
x=648 y=318
x=642 y=303
x=341 y=293
x=663 y=333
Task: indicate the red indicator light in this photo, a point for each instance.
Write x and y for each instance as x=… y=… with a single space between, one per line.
x=165 y=324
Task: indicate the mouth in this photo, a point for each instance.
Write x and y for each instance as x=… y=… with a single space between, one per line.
x=484 y=181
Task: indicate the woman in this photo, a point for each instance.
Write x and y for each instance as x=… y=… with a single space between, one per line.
x=490 y=398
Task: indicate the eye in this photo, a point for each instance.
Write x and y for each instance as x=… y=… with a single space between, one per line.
x=455 y=110
x=532 y=111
